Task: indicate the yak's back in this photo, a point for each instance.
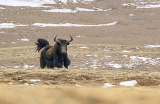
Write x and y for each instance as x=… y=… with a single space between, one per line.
x=51 y=50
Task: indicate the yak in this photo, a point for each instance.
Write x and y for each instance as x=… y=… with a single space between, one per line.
x=53 y=56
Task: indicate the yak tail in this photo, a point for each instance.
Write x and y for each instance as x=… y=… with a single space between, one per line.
x=41 y=43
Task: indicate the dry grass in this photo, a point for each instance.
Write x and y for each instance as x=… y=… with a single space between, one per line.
x=71 y=95
x=58 y=86
x=96 y=55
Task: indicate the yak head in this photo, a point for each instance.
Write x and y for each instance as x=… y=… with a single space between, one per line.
x=62 y=44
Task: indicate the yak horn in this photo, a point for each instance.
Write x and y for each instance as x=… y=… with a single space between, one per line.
x=71 y=39
x=55 y=39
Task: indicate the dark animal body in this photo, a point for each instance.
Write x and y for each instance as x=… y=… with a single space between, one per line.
x=53 y=56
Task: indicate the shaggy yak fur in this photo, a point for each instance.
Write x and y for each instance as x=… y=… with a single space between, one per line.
x=53 y=56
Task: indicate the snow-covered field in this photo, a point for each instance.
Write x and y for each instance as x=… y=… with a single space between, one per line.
x=143 y=4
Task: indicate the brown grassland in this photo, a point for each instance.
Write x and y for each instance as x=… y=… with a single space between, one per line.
x=59 y=86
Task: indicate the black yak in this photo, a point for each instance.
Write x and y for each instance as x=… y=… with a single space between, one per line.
x=53 y=56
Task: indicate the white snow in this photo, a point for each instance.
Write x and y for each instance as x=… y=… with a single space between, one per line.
x=9 y=25
x=78 y=85
x=88 y=0
x=3 y=42
x=13 y=42
x=2 y=32
x=35 y=80
x=84 y=9
x=28 y=84
x=126 y=51
x=149 y=6
x=30 y=3
x=152 y=46
x=10 y=83
x=140 y=4
x=139 y=61
x=115 y=65
x=75 y=1
x=131 y=14
x=2 y=8
x=61 y=10
x=90 y=10
x=73 y=25
x=83 y=47
x=128 y=83
x=80 y=36
x=107 y=85
x=3 y=67
x=40 y=3
x=24 y=39
x=94 y=64
x=28 y=66
x=16 y=67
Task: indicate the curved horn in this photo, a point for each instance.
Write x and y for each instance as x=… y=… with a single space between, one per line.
x=55 y=39
x=71 y=39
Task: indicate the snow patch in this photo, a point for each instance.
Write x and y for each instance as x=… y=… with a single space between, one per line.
x=131 y=15
x=35 y=80
x=3 y=67
x=2 y=8
x=140 y=4
x=78 y=85
x=115 y=65
x=61 y=11
x=3 y=42
x=10 y=83
x=128 y=83
x=24 y=39
x=152 y=46
x=84 y=47
x=90 y=10
x=79 y=36
x=28 y=84
x=9 y=25
x=73 y=25
x=16 y=67
x=149 y=6
x=126 y=51
x=40 y=3
x=13 y=42
x=107 y=85
x=28 y=66
x=30 y=3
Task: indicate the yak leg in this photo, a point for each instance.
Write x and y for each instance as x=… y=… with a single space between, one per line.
x=50 y=64
x=57 y=64
x=42 y=62
x=66 y=61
